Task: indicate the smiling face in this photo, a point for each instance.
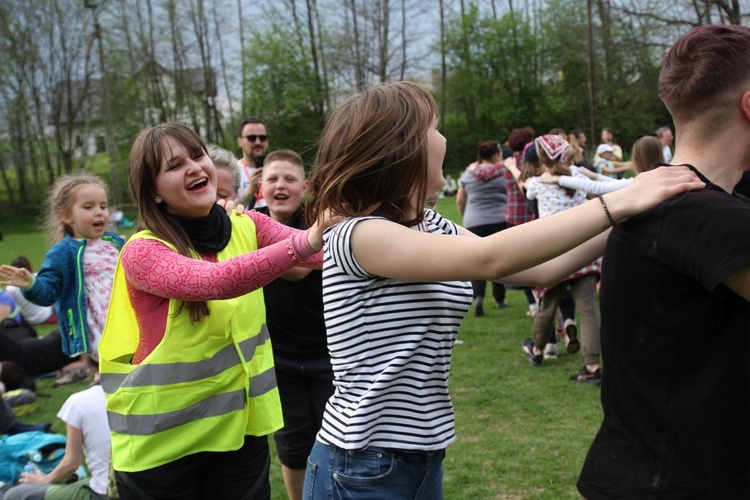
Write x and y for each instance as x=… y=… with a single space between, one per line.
x=256 y=147
x=283 y=185
x=89 y=214
x=186 y=183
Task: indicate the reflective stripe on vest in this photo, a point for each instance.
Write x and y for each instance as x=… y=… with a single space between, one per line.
x=203 y=387
x=173 y=373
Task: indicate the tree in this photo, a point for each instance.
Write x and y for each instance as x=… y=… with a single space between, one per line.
x=283 y=87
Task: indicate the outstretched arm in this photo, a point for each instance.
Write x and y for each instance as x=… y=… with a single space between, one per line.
x=154 y=268
x=461 y=200
x=418 y=256
x=16 y=276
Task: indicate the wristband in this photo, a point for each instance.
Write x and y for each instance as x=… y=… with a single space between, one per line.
x=606 y=211
x=298 y=246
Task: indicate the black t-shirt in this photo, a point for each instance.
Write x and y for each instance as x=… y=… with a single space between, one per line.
x=294 y=310
x=743 y=187
x=676 y=355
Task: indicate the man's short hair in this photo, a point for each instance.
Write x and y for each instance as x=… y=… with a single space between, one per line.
x=705 y=70
x=249 y=119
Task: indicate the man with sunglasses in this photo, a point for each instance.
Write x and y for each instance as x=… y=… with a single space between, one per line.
x=253 y=140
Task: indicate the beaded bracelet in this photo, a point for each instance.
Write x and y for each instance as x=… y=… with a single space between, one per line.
x=606 y=211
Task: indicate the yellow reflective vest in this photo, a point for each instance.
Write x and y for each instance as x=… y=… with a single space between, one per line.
x=203 y=388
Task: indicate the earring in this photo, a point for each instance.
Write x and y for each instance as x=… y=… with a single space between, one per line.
x=157 y=199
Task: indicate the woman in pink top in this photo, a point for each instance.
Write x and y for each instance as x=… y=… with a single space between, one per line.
x=191 y=257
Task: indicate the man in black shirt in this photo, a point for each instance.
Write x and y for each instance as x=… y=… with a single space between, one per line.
x=674 y=300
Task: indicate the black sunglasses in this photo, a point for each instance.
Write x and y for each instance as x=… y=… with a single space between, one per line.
x=253 y=137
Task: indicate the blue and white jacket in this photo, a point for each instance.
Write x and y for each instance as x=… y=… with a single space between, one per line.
x=60 y=282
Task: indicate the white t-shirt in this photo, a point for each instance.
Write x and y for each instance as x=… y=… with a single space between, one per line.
x=667 y=154
x=86 y=411
x=34 y=314
x=245 y=182
x=390 y=343
x=553 y=199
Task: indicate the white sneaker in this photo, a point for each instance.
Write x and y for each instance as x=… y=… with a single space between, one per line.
x=550 y=351
x=571 y=331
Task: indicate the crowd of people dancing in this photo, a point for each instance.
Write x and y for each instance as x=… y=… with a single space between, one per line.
x=237 y=311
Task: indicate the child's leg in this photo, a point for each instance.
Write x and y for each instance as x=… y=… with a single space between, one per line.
x=584 y=294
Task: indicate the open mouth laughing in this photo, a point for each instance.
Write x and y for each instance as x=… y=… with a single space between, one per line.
x=197 y=184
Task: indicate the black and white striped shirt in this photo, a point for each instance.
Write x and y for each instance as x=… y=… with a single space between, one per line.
x=390 y=343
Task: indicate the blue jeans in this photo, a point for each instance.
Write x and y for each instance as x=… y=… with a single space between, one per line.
x=373 y=473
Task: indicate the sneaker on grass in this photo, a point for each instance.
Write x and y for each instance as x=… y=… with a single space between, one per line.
x=531 y=354
x=587 y=377
x=550 y=351
x=574 y=345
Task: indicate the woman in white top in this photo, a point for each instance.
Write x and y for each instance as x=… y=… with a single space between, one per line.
x=85 y=416
x=394 y=296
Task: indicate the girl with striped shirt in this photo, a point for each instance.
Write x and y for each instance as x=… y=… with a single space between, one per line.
x=394 y=297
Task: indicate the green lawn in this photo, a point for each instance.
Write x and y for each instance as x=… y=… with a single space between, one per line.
x=522 y=432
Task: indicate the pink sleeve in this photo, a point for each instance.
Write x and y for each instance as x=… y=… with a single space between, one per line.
x=152 y=267
x=269 y=231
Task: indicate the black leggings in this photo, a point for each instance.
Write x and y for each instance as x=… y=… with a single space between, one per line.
x=37 y=356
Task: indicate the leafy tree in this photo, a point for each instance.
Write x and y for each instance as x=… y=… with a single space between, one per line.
x=282 y=88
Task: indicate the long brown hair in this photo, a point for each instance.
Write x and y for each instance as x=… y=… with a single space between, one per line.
x=372 y=157
x=147 y=154
x=646 y=151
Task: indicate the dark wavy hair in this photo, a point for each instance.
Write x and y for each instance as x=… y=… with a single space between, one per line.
x=520 y=137
x=487 y=149
x=148 y=153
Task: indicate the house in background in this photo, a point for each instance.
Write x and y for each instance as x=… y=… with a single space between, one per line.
x=157 y=95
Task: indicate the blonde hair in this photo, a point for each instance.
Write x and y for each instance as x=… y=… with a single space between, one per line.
x=576 y=149
x=225 y=159
x=289 y=156
x=61 y=199
x=372 y=156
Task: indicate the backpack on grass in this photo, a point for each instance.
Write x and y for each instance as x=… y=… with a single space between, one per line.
x=44 y=450
x=23 y=401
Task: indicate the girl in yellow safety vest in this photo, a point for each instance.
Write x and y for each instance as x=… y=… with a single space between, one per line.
x=186 y=360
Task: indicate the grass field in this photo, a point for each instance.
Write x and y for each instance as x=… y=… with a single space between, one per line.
x=522 y=432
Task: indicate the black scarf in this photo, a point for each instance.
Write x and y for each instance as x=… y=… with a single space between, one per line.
x=209 y=234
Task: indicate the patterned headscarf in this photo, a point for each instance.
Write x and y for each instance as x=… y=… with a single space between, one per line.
x=553 y=145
